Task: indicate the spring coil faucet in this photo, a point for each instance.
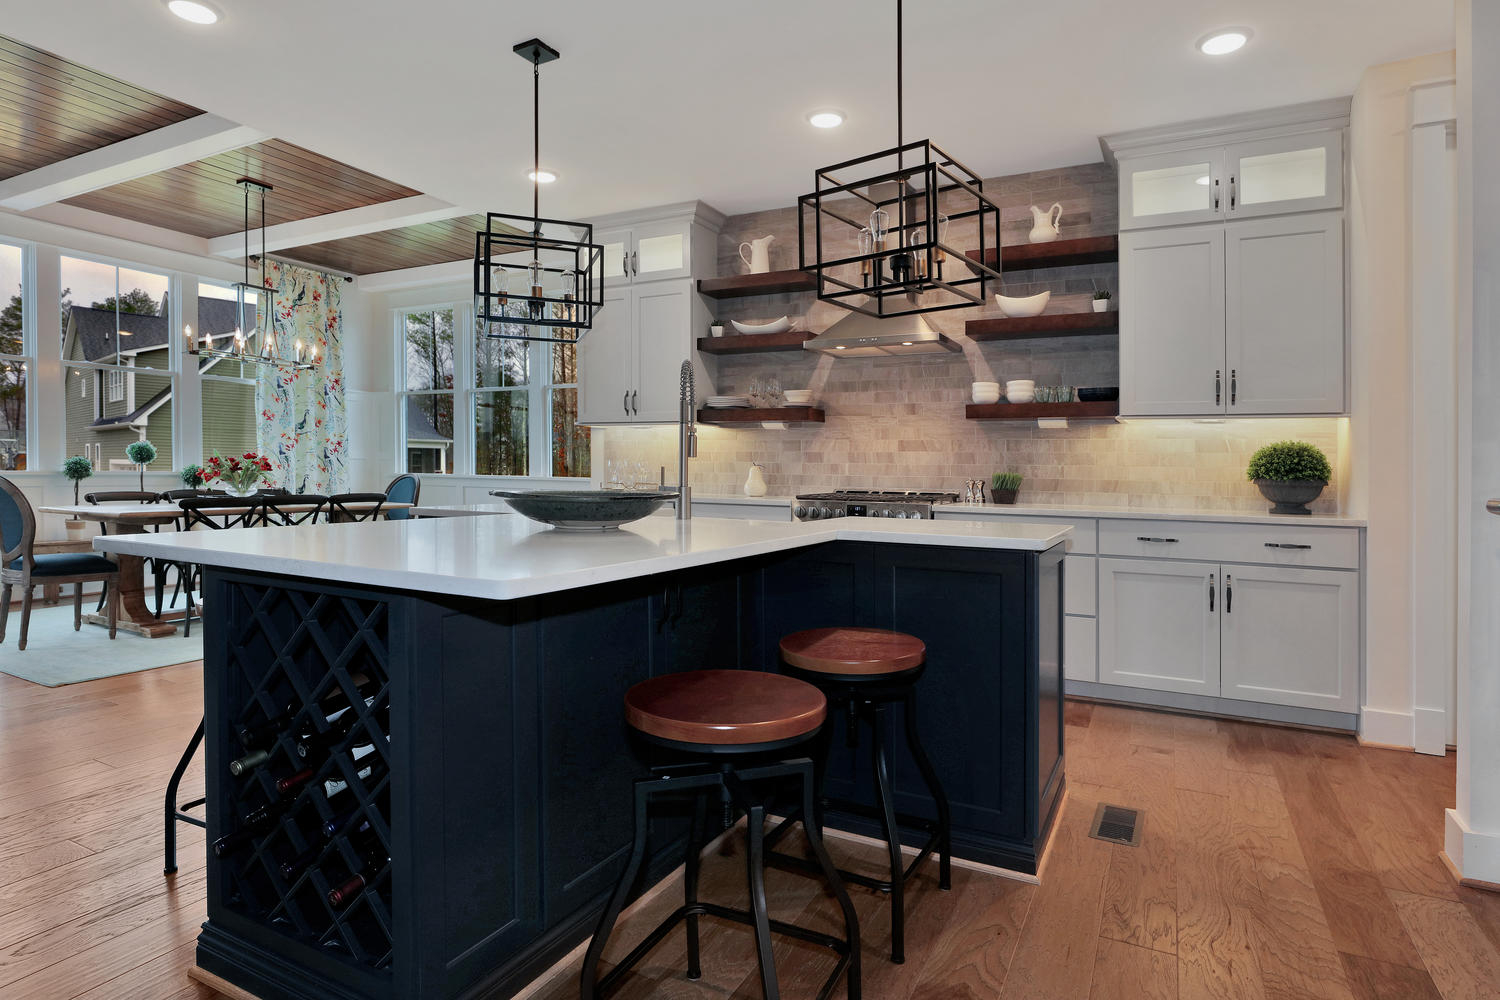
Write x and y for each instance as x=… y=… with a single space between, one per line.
x=687 y=440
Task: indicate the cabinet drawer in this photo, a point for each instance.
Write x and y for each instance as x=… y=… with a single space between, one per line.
x=1269 y=544
x=1080 y=584
x=1080 y=649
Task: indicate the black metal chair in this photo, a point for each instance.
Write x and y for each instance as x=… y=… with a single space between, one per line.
x=19 y=566
x=185 y=572
x=120 y=496
x=293 y=509
x=403 y=489
x=339 y=511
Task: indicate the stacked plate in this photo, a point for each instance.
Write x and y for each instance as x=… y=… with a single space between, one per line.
x=727 y=402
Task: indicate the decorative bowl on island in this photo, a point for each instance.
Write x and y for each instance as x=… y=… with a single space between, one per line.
x=781 y=325
x=1018 y=307
x=583 y=510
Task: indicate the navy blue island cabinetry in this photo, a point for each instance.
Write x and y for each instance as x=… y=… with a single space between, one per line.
x=470 y=787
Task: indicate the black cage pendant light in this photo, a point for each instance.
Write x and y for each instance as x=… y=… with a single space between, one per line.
x=534 y=278
x=876 y=230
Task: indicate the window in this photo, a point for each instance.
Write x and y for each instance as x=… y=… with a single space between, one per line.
x=15 y=358
x=502 y=405
x=569 y=443
x=427 y=353
x=116 y=342
x=228 y=386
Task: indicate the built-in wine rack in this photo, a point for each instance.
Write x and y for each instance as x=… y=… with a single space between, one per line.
x=295 y=659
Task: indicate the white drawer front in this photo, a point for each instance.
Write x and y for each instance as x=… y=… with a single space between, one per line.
x=1080 y=649
x=1268 y=544
x=1080 y=584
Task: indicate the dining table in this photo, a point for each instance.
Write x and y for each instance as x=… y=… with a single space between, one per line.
x=130 y=517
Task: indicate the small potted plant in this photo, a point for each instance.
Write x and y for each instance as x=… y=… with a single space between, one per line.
x=1101 y=300
x=142 y=453
x=1004 y=485
x=241 y=475
x=716 y=329
x=1290 y=474
x=77 y=469
x=193 y=477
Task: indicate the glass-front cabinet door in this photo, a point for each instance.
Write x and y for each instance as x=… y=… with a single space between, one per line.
x=1294 y=173
x=617 y=249
x=1172 y=189
x=647 y=252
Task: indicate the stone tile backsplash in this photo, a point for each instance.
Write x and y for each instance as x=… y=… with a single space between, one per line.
x=898 y=423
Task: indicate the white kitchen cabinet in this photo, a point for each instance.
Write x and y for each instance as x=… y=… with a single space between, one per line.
x=606 y=360
x=648 y=251
x=1291 y=636
x=1080 y=648
x=629 y=364
x=1159 y=625
x=1172 y=322
x=1284 y=314
x=1171 y=189
x=1080 y=582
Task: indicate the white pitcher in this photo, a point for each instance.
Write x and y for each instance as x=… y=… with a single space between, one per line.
x=755 y=483
x=759 y=260
x=1044 y=225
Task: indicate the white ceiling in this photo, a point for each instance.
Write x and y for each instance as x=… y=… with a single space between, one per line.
x=660 y=101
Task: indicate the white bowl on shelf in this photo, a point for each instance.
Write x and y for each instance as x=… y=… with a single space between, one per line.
x=781 y=325
x=1021 y=390
x=1018 y=307
x=798 y=397
x=985 y=393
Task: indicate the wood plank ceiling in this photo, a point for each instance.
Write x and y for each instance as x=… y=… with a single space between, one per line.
x=52 y=109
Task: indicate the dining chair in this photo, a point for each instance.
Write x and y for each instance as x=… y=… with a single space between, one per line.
x=339 y=511
x=294 y=509
x=185 y=572
x=222 y=512
x=119 y=496
x=20 y=566
x=403 y=489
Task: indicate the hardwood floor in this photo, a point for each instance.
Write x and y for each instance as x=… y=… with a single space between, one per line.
x=1274 y=864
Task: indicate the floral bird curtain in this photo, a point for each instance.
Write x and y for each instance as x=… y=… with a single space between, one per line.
x=302 y=416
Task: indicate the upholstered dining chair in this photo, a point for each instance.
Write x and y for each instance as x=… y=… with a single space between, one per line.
x=19 y=566
x=403 y=489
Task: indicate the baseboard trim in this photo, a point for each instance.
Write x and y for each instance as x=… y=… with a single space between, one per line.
x=1473 y=857
x=1430 y=730
x=1381 y=728
x=1225 y=708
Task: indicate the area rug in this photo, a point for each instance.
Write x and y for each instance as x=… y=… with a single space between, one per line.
x=56 y=655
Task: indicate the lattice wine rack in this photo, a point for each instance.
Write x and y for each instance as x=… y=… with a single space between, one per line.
x=307 y=685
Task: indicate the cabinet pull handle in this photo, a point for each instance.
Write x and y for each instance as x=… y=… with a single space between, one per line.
x=1218 y=385
x=1210 y=592
x=634 y=398
x=1216 y=194
x=1231 y=192
x=1228 y=594
x=625 y=402
x=1149 y=538
x=1286 y=545
x=1234 y=385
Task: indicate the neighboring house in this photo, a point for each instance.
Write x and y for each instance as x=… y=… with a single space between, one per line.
x=427 y=448
x=108 y=409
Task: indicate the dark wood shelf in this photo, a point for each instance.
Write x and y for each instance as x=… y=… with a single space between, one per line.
x=1058 y=253
x=1056 y=325
x=784 y=414
x=1031 y=411
x=754 y=343
x=737 y=286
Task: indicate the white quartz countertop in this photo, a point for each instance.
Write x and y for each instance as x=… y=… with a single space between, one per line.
x=1145 y=513
x=506 y=556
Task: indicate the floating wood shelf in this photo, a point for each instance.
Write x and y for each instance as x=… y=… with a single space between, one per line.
x=754 y=343
x=1032 y=411
x=782 y=414
x=1059 y=253
x=1057 y=325
x=736 y=286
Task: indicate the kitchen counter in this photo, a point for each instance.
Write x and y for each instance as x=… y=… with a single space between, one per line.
x=1147 y=513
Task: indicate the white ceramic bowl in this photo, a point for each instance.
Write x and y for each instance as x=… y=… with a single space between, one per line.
x=1026 y=305
x=798 y=397
x=986 y=398
x=1019 y=385
x=781 y=325
x=1021 y=396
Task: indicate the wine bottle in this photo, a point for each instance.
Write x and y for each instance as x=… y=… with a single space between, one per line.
x=256 y=821
x=291 y=869
x=312 y=745
x=370 y=763
x=286 y=786
x=264 y=735
x=332 y=827
x=373 y=857
x=248 y=763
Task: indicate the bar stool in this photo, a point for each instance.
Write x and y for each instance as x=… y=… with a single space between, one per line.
x=727 y=726
x=863 y=671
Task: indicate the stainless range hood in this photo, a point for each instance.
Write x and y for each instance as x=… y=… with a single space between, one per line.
x=861 y=336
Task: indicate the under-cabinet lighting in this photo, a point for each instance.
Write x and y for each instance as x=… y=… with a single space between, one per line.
x=1223 y=41
x=1203 y=181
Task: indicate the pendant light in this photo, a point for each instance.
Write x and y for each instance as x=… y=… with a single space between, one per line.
x=878 y=244
x=246 y=297
x=536 y=279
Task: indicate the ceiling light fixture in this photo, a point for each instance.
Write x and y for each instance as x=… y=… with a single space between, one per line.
x=1223 y=41
x=892 y=263
x=559 y=266
x=194 y=11
x=541 y=176
x=825 y=118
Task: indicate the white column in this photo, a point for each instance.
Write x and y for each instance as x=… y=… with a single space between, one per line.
x=1433 y=367
x=48 y=382
x=1472 y=835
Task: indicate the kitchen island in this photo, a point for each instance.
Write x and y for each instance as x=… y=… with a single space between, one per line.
x=488 y=812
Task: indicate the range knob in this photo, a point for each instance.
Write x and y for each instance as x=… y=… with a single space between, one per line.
x=800 y=511
x=826 y=511
x=839 y=512
x=885 y=512
x=814 y=513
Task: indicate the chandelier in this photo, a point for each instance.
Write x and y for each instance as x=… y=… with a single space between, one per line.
x=263 y=333
x=536 y=279
x=894 y=261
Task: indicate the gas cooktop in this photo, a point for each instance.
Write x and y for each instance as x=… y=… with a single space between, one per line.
x=907 y=504
x=882 y=496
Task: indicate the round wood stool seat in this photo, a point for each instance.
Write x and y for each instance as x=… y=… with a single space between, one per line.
x=853 y=652
x=725 y=707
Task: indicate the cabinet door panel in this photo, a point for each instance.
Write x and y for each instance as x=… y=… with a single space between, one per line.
x=617 y=245
x=1293 y=173
x=662 y=250
x=1171 y=189
x=606 y=361
x=1080 y=648
x=664 y=319
x=1172 y=322
x=1291 y=636
x=1284 y=306
x=1157 y=628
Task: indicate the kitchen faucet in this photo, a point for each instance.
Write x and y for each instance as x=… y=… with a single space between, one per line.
x=687 y=440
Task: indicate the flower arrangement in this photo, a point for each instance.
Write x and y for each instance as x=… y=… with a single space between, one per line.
x=142 y=453
x=77 y=469
x=193 y=476
x=239 y=474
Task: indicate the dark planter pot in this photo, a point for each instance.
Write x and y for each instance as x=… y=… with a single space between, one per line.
x=1003 y=496
x=1290 y=496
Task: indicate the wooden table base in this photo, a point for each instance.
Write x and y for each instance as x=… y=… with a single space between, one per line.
x=135 y=616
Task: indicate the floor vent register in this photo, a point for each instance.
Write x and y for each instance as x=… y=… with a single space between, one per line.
x=1117 y=825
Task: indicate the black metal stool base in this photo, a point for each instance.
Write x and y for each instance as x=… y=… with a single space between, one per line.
x=175 y=812
x=732 y=785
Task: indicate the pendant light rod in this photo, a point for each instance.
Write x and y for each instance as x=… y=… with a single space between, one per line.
x=536 y=140
x=900 y=102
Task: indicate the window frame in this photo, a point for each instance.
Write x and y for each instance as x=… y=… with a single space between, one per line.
x=28 y=347
x=398 y=322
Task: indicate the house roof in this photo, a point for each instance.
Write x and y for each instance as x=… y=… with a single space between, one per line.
x=94 y=329
x=419 y=426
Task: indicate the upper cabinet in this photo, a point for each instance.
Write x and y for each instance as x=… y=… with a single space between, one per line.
x=648 y=251
x=1171 y=189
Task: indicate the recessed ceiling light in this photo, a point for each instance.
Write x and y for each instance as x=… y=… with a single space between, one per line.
x=1202 y=180
x=825 y=118
x=906 y=343
x=195 y=11
x=840 y=347
x=541 y=177
x=1223 y=41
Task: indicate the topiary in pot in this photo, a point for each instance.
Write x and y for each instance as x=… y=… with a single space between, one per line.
x=142 y=453
x=77 y=469
x=1290 y=474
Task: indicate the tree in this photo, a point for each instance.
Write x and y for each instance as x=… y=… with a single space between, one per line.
x=12 y=379
x=136 y=300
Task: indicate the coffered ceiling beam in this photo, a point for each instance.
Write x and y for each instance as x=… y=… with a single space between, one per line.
x=413 y=211
x=148 y=153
